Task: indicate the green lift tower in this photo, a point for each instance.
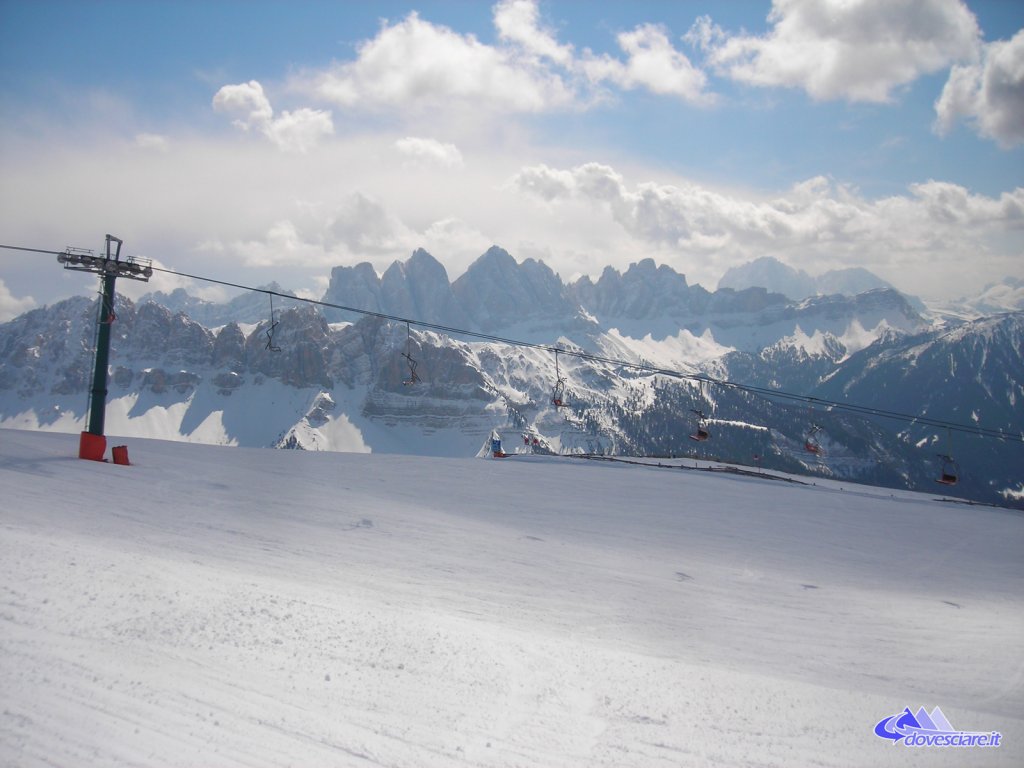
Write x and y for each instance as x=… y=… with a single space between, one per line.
x=109 y=267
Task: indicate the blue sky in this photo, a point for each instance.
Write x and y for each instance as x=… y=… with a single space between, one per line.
x=259 y=141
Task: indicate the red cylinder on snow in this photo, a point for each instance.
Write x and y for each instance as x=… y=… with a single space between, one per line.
x=92 y=446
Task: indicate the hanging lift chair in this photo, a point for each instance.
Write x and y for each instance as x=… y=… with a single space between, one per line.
x=558 y=393
x=950 y=472
x=413 y=377
x=811 y=443
x=702 y=426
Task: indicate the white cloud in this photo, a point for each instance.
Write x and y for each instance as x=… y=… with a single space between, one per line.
x=282 y=244
x=360 y=227
x=544 y=182
x=297 y=131
x=518 y=21
x=652 y=63
x=705 y=35
x=364 y=225
x=301 y=130
x=414 y=63
x=246 y=100
x=948 y=203
x=456 y=241
x=934 y=225
x=430 y=151
x=989 y=94
x=11 y=306
x=855 y=50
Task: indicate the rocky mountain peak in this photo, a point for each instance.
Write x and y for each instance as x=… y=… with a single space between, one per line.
x=497 y=290
x=644 y=290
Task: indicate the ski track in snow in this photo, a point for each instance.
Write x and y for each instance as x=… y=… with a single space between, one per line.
x=245 y=607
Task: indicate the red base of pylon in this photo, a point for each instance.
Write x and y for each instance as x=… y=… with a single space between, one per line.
x=92 y=447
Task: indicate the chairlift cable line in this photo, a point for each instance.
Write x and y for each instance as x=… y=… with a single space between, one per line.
x=701 y=379
x=32 y=250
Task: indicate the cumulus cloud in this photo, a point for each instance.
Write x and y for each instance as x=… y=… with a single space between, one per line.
x=297 y=131
x=301 y=130
x=518 y=22
x=430 y=152
x=246 y=100
x=857 y=51
x=680 y=216
x=11 y=306
x=989 y=94
x=936 y=222
x=946 y=203
x=652 y=63
x=546 y=183
x=417 y=64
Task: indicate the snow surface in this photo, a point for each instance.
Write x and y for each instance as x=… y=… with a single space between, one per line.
x=854 y=339
x=228 y=606
x=684 y=350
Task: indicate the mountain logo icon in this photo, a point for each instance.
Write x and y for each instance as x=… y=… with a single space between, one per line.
x=924 y=729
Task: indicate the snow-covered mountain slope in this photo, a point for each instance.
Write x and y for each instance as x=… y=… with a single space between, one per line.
x=330 y=388
x=212 y=606
x=342 y=385
x=971 y=374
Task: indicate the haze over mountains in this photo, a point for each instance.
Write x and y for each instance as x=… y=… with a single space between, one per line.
x=771 y=274
x=187 y=369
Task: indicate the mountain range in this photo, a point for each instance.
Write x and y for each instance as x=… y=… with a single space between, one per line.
x=329 y=378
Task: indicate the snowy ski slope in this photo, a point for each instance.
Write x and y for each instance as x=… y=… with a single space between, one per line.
x=213 y=606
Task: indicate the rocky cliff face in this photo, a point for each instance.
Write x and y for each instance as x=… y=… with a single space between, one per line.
x=498 y=294
x=496 y=291
x=644 y=291
x=417 y=288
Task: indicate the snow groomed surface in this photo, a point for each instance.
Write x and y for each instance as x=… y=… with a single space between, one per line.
x=227 y=606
